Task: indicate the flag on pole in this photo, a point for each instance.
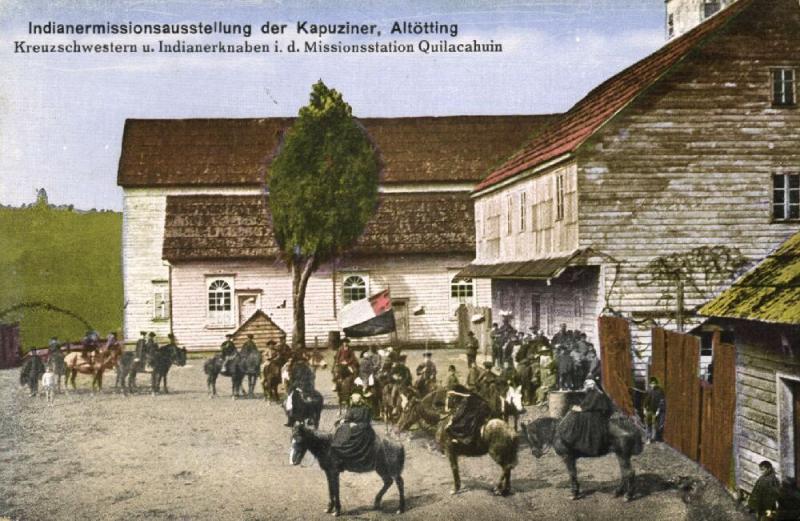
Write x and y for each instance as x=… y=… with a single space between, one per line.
x=368 y=317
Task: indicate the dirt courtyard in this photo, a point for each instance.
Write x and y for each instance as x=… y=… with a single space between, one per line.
x=186 y=456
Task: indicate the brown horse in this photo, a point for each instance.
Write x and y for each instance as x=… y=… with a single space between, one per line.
x=497 y=439
x=344 y=378
x=93 y=363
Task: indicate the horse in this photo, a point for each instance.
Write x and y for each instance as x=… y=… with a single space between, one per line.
x=624 y=440
x=212 y=368
x=497 y=439
x=387 y=459
x=248 y=363
x=271 y=378
x=31 y=372
x=93 y=363
x=161 y=361
x=509 y=405
x=305 y=408
x=127 y=368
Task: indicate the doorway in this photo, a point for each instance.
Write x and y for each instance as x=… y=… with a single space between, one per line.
x=400 y=308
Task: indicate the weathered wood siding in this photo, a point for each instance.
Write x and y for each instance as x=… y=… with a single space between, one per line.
x=565 y=300
x=690 y=162
x=687 y=14
x=421 y=280
x=543 y=232
x=143 y=218
x=758 y=418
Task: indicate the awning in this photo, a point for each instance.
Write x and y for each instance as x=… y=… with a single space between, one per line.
x=538 y=269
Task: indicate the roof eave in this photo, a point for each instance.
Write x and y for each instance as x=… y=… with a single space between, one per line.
x=523 y=175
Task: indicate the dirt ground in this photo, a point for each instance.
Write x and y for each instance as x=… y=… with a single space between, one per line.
x=185 y=456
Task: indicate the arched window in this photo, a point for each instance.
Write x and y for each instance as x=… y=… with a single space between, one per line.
x=220 y=309
x=462 y=290
x=354 y=288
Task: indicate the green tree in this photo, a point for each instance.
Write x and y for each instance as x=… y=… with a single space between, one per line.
x=322 y=189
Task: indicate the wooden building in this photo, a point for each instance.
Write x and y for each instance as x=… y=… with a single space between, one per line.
x=693 y=146
x=684 y=15
x=761 y=311
x=198 y=251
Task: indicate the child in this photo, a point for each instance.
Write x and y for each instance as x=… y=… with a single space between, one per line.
x=48 y=384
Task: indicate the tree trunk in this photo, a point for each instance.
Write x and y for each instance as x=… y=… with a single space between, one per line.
x=302 y=268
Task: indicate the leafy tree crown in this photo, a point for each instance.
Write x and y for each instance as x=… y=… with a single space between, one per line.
x=323 y=184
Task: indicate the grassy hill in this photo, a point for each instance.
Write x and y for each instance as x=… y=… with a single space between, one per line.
x=66 y=258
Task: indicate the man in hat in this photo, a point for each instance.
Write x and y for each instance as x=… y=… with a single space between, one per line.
x=53 y=345
x=401 y=374
x=141 y=351
x=471 y=347
x=150 y=348
x=426 y=373
x=89 y=342
x=654 y=410
x=497 y=344
x=344 y=361
x=547 y=375
x=766 y=492
x=249 y=345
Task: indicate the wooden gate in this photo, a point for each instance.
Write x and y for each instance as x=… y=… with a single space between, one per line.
x=9 y=346
x=615 y=355
x=700 y=414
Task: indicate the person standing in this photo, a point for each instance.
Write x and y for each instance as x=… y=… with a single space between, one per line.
x=654 y=411
x=471 y=347
x=49 y=384
x=766 y=492
x=36 y=370
x=249 y=345
x=497 y=344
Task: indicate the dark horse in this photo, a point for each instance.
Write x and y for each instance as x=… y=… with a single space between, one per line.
x=303 y=407
x=248 y=364
x=624 y=440
x=497 y=439
x=30 y=373
x=387 y=459
x=127 y=369
x=271 y=378
x=161 y=361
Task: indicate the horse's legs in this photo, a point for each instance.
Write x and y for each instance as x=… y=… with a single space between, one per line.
x=331 y=499
x=401 y=489
x=337 y=505
x=453 y=457
x=626 y=475
x=572 y=469
x=387 y=482
x=154 y=381
x=164 y=376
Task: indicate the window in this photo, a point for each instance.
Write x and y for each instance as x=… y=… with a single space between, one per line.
x=670 y=26
x=160 y=300
x=220 y=308
x=509 y=214
x=559 y=197
x=710 y=7
x=523 y=213
x=354 y=288
x=462 y=290
x=786 y=197
x=783 y=87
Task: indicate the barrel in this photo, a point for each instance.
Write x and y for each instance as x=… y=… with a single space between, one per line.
x=334 y=339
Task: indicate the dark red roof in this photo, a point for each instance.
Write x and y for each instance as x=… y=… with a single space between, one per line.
x=574 y=127
x=238 y=152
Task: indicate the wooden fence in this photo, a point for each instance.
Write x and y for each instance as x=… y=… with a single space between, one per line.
x=700 y=415
x=9 y=346
x=615 y=355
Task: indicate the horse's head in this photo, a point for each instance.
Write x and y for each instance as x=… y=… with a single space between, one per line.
x=410 y=412
x=513 y=398
x=539 y=434
x=299 y=444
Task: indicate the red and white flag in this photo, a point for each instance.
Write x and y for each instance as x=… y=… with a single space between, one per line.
x=368 y=317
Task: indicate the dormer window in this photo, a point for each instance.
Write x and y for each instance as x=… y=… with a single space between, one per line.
x=783 y=87
x=710 y=7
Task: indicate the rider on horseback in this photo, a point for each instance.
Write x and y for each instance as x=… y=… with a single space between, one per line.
x=426 y=373
x=228 y=349
x=354 y=437
x=470 y=415
x=345 y=358
x=585 y=427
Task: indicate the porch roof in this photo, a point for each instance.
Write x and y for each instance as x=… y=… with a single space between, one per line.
x=537 y=269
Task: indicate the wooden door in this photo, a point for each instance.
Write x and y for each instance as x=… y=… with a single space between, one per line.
x=400 y=308
x=796 y=413
x=536 y=311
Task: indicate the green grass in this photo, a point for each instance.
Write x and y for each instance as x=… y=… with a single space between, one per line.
x=68 y=259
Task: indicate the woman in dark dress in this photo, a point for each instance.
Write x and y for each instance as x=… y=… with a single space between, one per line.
x=585 y=427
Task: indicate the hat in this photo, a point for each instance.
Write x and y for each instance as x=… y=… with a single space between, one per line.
x=487 y=364
x=143 y=333
x=229 y=335
x=427 y=354
x=355 y=398
x=589 y=384
x=171 y=336
x=249 y=335
x=345 y=340
x=151 y=334
x=270 y=342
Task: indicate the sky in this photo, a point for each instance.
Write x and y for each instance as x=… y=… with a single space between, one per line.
x=62 y=115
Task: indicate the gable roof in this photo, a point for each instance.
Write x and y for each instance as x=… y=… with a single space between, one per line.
x=770 y=292
x=238 y=152
x=570 y=130
x=225 y=227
